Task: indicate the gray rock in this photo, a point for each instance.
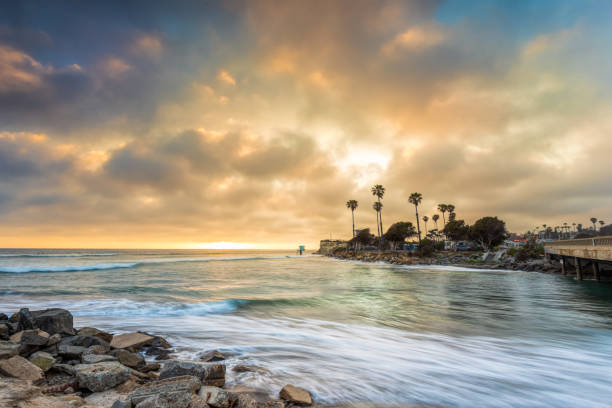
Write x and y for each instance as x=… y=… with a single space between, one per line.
x=122 y=404
x=96 y=358
x=96 y=349
x=163 y=401
x=126 y=358
x=215 y=397
x=197 y=402
x=64 y=368
x=25 y=321
x=42 y=360
x=8 y=349
x=70 y=352
x=54 y=321
x=33 y=337
x=21 y=368
x=132 y=341
x=171 y=388
x=208 y=373
x=85 y=341
x=4 y=331
x=245 y=400
x=92 y=331
x=295 y=395
x=101 y=376
x=54 y=339
x=212 y=356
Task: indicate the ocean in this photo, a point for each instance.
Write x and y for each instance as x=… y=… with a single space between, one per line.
x=346 y=331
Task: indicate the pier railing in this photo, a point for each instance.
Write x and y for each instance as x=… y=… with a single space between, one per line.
x=584 y=242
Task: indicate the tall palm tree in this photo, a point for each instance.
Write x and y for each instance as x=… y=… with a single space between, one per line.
x=601 y=222
x=435 y=219
x=379 y=191
x=443 y=208
x=545 y=231
x=594 y=221
x=425 y=219
x=416 y=198
x=565 y=227
x=574 y=225
x=451 y=211
x=377 y=206
x=352 y=205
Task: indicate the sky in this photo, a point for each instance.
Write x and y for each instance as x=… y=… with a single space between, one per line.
x=249 y=124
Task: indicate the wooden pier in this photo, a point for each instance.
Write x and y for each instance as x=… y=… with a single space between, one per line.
x=587 y=258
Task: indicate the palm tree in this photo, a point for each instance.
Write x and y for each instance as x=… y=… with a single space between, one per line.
x=545 y=231
x=352 y=205
x=379 y=191
x=435 y=219
x=451 y=211
x=415 y=198
x=443 y=208
x=593 y=221
x=601 y=222
x=565 y=227
x=378 y=208
x=574 y=225
x=425 y=219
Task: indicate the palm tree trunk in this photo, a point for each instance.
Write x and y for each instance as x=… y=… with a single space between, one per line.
x=381 y=224
x=353 y=215
x=416 y=209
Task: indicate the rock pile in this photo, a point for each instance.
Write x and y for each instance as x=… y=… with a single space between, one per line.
x=45 y=362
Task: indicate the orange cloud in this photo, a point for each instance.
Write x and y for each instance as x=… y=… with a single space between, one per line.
x=226 y=77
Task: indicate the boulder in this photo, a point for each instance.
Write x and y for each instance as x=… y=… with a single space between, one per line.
x=131 y=340
x=54 y=321
x=42 y=360
x=197 y=402
x=92 y=331
x=163 y=401
x=208 y=373
x=35 y=337
x=126 y=358
x=70 y=352
x=25 y=321
x=8 y=349
x=104 y=398
x=4 y=331
x=54 y=339
x=96 y=349
x=172 y=388
x=3 y=317
x=101 y=376
x=21 y=368
x=85 y=341
x=246 y=400
x=215 y=397
x=149 y=367
x=295 y=395
x=212 y=356
x=122 y=404
x=96 y=358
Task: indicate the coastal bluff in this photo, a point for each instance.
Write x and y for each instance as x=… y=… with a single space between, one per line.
x=45 y=362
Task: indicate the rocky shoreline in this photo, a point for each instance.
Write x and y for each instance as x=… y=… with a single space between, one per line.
x=449 y=258
x=45 y=362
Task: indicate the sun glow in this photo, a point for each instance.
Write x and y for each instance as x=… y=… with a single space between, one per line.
x=223 y=245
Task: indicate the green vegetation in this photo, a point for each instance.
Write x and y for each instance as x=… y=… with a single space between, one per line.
x=352 y=205
x=397 y=233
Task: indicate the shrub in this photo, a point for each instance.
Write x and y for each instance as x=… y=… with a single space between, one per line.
x=427 y=247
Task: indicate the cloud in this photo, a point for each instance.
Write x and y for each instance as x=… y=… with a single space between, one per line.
x=224 y=76
x=498 y=110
